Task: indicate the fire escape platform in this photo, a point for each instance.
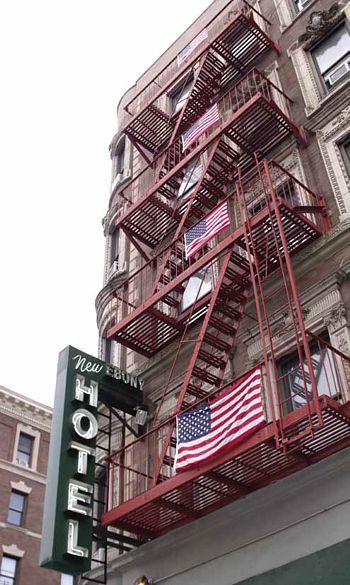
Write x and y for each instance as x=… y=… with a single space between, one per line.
x=257 y=126
x=251 y=465
x=230 y=53
x=147 y=329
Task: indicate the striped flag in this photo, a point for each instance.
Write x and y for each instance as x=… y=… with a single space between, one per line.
x=207 y=430
x=206 y=229
x=186 y=52
x=200 y=126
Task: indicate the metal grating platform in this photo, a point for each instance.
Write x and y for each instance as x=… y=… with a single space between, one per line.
x=254 y=464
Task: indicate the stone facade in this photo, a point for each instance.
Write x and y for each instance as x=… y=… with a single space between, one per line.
x=203 y=552
x=26 y=476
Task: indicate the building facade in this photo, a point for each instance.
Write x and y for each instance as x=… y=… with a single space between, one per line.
x=25 y=434
x=246 y=115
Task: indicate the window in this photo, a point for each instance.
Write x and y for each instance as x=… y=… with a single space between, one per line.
x=180 y=96
x=120 y=158
x=8 y=570
x=299 y=5
x=24 y=449
x=114 y=248
x=190 y=179
x=332 y=56
x=293 y=392
x=198 y=285
x=344 y=147
x=16 y=508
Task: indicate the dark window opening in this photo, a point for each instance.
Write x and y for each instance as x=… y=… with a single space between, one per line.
x=120 y=158
x=344 y=147
x=25 y=449
x=114 y=256
x=294 y=394
x=190 y=179
x=16 y=508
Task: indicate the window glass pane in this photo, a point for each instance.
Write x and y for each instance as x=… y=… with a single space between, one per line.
x=181 y=97
x=25 y=447
x=332 y=49
x=8 y=570
x=191 y=178
x=294 y=393
x=25 y=443
x=114 y=246
x=17 y=501
x=196 y=288
x=14 y=517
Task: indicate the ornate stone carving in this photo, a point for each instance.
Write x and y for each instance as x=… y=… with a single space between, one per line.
x=12 y=550
x=336 y=319
x=320 y=22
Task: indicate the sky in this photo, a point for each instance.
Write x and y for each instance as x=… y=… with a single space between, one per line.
x=64 y=67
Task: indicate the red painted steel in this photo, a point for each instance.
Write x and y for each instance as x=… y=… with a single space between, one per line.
x=273 y=217
x=254 y=463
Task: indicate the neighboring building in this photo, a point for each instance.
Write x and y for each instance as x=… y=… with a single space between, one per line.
x=24 y=444
x=271 y=289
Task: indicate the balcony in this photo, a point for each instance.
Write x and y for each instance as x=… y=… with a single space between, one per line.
x=234 y=40
x=147 y=306
x=310 y=426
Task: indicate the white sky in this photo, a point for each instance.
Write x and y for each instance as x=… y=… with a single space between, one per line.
x=64 y=66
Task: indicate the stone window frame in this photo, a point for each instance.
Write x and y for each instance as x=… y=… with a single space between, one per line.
x=311 y=82
x=330 y=138
x=119 y=179
x=287 y=13
x=322 y=313
x=27 y=430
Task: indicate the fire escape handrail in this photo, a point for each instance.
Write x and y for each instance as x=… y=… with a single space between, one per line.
x=166 y=249
x=172 y=418
x=188 y=64
x=319 y=201
x=192 y=154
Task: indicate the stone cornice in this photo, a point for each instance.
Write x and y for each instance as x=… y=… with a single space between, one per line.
x=26 y=410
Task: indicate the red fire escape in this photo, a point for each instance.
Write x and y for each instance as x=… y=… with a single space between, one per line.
x=272 y=217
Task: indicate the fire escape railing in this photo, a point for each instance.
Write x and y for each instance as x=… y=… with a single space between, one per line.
x=295 y=198
x=133 y=466
x=253 y=86
x=172 y=72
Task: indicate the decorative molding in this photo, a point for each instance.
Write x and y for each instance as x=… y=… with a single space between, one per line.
x=20 y=486
x=306 y=78
x=320 y=23
x=12 y=550
x=22 y=409
x=328 y=139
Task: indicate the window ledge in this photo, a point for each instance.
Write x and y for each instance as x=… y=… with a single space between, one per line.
x=330 y=95
x=20 y=529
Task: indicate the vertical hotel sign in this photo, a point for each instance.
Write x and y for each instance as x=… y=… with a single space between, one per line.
x=68 y=510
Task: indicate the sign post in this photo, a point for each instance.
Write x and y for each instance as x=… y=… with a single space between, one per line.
x=82 y=382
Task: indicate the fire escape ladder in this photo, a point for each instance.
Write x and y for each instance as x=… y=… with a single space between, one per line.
x=169 y=267
x=288 y=290
x=205 y=84
x=212 y=347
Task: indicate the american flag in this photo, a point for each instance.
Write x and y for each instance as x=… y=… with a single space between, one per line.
x=203 y=231
x=200 y=126
x=207 y=430
x=186 y=52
